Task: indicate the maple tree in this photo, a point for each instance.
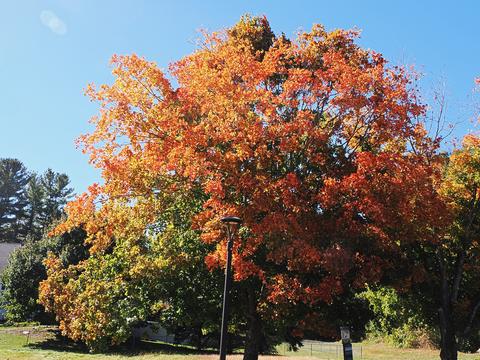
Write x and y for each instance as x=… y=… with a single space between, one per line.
x=446 y=293
x=457 y=258
x=312 y=142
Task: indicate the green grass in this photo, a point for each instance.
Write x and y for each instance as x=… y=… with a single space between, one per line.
x=371 y=351
x=42 y=345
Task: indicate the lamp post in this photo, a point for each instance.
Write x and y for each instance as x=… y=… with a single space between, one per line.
x=230 y=222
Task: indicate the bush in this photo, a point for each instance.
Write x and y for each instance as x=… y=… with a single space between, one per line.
x=397 y=320
x=25 y=271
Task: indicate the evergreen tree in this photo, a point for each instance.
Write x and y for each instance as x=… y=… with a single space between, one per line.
x=29 y=203
x=35 y=195
x=56 y=194
x=13 y=200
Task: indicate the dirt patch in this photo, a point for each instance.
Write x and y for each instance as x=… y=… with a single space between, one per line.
x=266 y=357
x=33 y=332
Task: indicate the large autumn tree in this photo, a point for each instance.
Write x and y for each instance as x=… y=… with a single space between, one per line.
x=313 y=142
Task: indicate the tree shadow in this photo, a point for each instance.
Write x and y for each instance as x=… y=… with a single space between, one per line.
x=56 y=342
x=143 y=346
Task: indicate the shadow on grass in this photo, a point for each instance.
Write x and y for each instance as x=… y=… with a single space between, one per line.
x=165 y=348
x=53 y=340
x=56 y=342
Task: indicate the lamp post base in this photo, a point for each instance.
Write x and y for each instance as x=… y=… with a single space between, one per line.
x=347 y=351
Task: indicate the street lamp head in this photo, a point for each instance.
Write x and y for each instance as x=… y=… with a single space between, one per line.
x=345 y=334
x=231 y=220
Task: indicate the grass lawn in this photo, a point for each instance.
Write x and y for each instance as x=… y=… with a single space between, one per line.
x=42 y=345
x=368 y=351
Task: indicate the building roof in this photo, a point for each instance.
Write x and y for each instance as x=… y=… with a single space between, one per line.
x=5 y=250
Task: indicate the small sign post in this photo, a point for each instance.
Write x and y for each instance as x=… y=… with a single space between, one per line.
x=27 y=334
x=347 y=343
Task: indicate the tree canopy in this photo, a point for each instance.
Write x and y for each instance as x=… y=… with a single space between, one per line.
x=316 y=143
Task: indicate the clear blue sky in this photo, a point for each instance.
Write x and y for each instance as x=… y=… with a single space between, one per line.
x=50 y=50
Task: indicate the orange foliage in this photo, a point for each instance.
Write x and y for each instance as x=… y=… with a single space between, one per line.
x=304 y=140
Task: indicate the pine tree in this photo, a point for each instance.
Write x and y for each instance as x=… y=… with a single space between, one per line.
x=13 y=201
x=35 y=195
x=29 y=203
x=56 y=194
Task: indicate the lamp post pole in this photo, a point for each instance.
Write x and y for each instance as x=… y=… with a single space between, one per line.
x=230 y=222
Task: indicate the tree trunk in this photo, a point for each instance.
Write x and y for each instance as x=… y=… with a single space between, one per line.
x=254 y=335
x=448 y=345
x=198 y=338
x=448 y=341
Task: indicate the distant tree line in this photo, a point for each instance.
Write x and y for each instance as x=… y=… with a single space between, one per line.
x=29 y=202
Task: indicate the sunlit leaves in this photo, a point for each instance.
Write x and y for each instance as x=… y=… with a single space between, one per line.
x=305 y=140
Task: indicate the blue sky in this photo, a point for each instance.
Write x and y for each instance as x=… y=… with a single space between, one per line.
x=50 y=50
